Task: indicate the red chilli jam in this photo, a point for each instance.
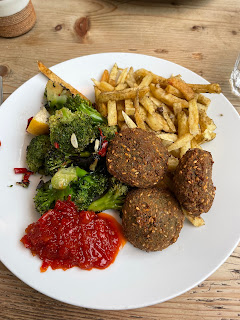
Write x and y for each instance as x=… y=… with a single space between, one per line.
x=65 y=237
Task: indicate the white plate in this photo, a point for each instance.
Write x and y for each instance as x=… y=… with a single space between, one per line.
x=136 y=278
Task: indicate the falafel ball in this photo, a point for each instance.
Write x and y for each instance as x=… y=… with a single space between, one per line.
x=192 y=181
x=152 y=218
x=137 y=158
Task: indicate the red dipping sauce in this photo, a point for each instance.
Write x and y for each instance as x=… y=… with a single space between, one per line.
x=65 y=237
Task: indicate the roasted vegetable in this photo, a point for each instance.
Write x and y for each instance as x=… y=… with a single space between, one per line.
x=36 y=151
x=113 y=199
x=70 y=131
x=56 y=96
x=76 y=103
x=82 y=186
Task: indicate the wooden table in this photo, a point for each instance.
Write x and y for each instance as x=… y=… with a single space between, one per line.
x=204 y=37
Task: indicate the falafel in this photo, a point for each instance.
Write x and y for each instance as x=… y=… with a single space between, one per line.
x=193 y=185
x=137 y=158
x=152 y=219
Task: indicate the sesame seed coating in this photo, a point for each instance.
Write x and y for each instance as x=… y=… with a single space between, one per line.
x=152 y=219
x=192 y=180
x=137 y=158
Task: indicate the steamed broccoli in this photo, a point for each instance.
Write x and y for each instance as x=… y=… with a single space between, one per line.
x=82 y=186
x=113 y=199
x=36 y=151
x=56 y=96
x=76 y=103
x=66 y=126
x=46 y=196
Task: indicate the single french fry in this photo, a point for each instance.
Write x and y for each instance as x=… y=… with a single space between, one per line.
x=146 y=81
x=206 y=123
x=129 y=108
x=97 y=92
x=121 y=86
x=129 y=122
x=194 y=144
x=102 y=108
x=120 y=105
x=180 y=142
x=139 y=121
x=157 y=102
x=169 y=121
x=130 y=80
x=183 y=126
x=168 y=136
x=142 y=112
x=203 y=100
x=141 y=73
x=122 y=77
x=202 y=107
x=193 y=117
x=167 y=98
x=196 y=221
x=103 y=85
x=172 y=163
x=112 y=113
x=156 y=122
x=120 y=108
x=138 y=116
x=185 y=148
x=120 y=123
x=113 y=75
x=206 y=88
x=177 y=108
x=205 y=137
x=148 y=104
x=172 y=90
x=105 y=76
x=183 y=87
x=129 y=93
x=52 y=76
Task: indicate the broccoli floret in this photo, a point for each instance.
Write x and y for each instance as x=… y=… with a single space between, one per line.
x=54 y=160
x=56 y=96
x=87 y=188
x=47 y=196
x=108 y=131
x=36 y=151
x=66 y=126
x=113 y=199
x=76 y=103
x=81 y=185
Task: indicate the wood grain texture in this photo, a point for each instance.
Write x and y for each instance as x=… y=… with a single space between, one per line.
x=202 y=36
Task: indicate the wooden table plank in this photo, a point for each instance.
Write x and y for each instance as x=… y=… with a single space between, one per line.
x=202 y=36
